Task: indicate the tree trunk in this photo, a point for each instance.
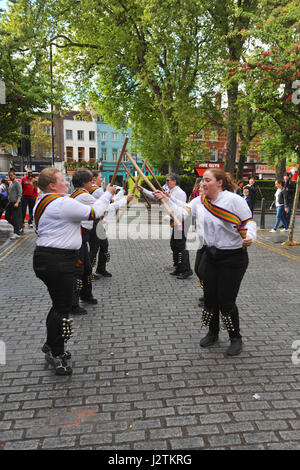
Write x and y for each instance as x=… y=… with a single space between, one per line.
x=280 y=169
x=295 y=205
x=231 y=134
x=242 y=160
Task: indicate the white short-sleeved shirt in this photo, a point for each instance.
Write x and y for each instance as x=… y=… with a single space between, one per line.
x=59 y=224
x=214 y=231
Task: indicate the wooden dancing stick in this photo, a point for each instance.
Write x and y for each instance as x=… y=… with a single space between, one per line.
x=128 y=174
x=133 y=189
x=176 y=220
x=144 y=195
x=154 y=177
x=119 y=161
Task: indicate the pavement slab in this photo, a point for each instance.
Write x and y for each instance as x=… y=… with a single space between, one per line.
x=141 y=380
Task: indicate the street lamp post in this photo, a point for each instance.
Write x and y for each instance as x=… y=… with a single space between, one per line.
x=52 y=117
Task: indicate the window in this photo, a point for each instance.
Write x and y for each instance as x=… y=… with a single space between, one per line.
x=91 y=135
x=80 y=154
x=200 y=135
x=103 y=136
x=115 y=136
x=213 y=135
x=213 y=154
x=69 y=134
x=103 y=155
x=115 y=155
x=92 y=153
x=80 y=135
x=69 y=152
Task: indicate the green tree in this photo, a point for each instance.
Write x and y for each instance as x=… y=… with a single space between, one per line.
x=272 y=71
x=146 y=61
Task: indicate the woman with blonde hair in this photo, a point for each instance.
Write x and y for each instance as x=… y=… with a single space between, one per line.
x=224 y=221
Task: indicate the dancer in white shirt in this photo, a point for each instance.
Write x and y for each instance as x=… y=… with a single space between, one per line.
x=181 y=258
x=224 y=221
x=57 y=222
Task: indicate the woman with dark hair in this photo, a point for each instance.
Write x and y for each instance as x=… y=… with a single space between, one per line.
x=224 y=221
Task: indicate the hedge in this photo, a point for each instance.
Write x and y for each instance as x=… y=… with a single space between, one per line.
x=267 y=187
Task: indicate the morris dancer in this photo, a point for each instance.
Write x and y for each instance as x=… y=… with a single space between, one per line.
x=57 y=219
x=228 y=229
x=98 y=241
x=181 y=258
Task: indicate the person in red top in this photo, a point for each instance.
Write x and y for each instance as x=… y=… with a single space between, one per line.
x=29 y=196
x=196 y=189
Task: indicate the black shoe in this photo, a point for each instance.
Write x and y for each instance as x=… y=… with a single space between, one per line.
x=46 y=349
x=175 y=272
x=209 y=340
x=104 y=273
x=79 y=310
x=96 y=276
x=235 y=347
x=201 y=301
x=185 y=275
x=89 y=300
x=59 y=363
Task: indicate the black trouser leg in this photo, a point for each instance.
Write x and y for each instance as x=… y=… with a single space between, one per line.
x=56 y=268
x=178 y=247
x=13 y=215
x=86 y=291
x=103 y=256
x=94 y=244
x=223 y=276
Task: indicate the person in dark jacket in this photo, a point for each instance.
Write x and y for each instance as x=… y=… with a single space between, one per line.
x=252 y=193
x=290 y=188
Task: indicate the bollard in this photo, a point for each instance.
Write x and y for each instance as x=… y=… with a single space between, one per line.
x=262 y=213
x=149 y=215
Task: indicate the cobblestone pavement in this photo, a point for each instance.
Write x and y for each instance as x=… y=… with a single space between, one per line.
x=141 y=380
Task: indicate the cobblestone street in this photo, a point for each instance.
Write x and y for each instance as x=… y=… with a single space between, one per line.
x=140 y=379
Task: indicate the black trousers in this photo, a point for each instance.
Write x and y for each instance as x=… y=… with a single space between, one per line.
x=27 y=201
x=98 y=244
x=13 y=215
x=84 y=269
x=181 y=257
x=224 y=271
x=56 y=268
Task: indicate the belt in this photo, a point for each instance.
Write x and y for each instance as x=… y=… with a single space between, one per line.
x=56 y=251
x=213 y=251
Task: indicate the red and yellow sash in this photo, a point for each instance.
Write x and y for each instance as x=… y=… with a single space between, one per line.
x=83 y=191
x=44 y=202
x=77 y=192
x=93 y=188
x=227 y=216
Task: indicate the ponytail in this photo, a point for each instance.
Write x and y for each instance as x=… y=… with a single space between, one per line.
x=227 y=183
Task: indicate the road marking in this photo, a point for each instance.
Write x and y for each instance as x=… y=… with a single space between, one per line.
x=7 y=251
x=277 y=250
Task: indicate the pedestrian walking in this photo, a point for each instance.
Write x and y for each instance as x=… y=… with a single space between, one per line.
x=281 y=205
x=290 y=188
x=225 y=222
x=13 y=212
x=3 y=196
x=57 y=221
